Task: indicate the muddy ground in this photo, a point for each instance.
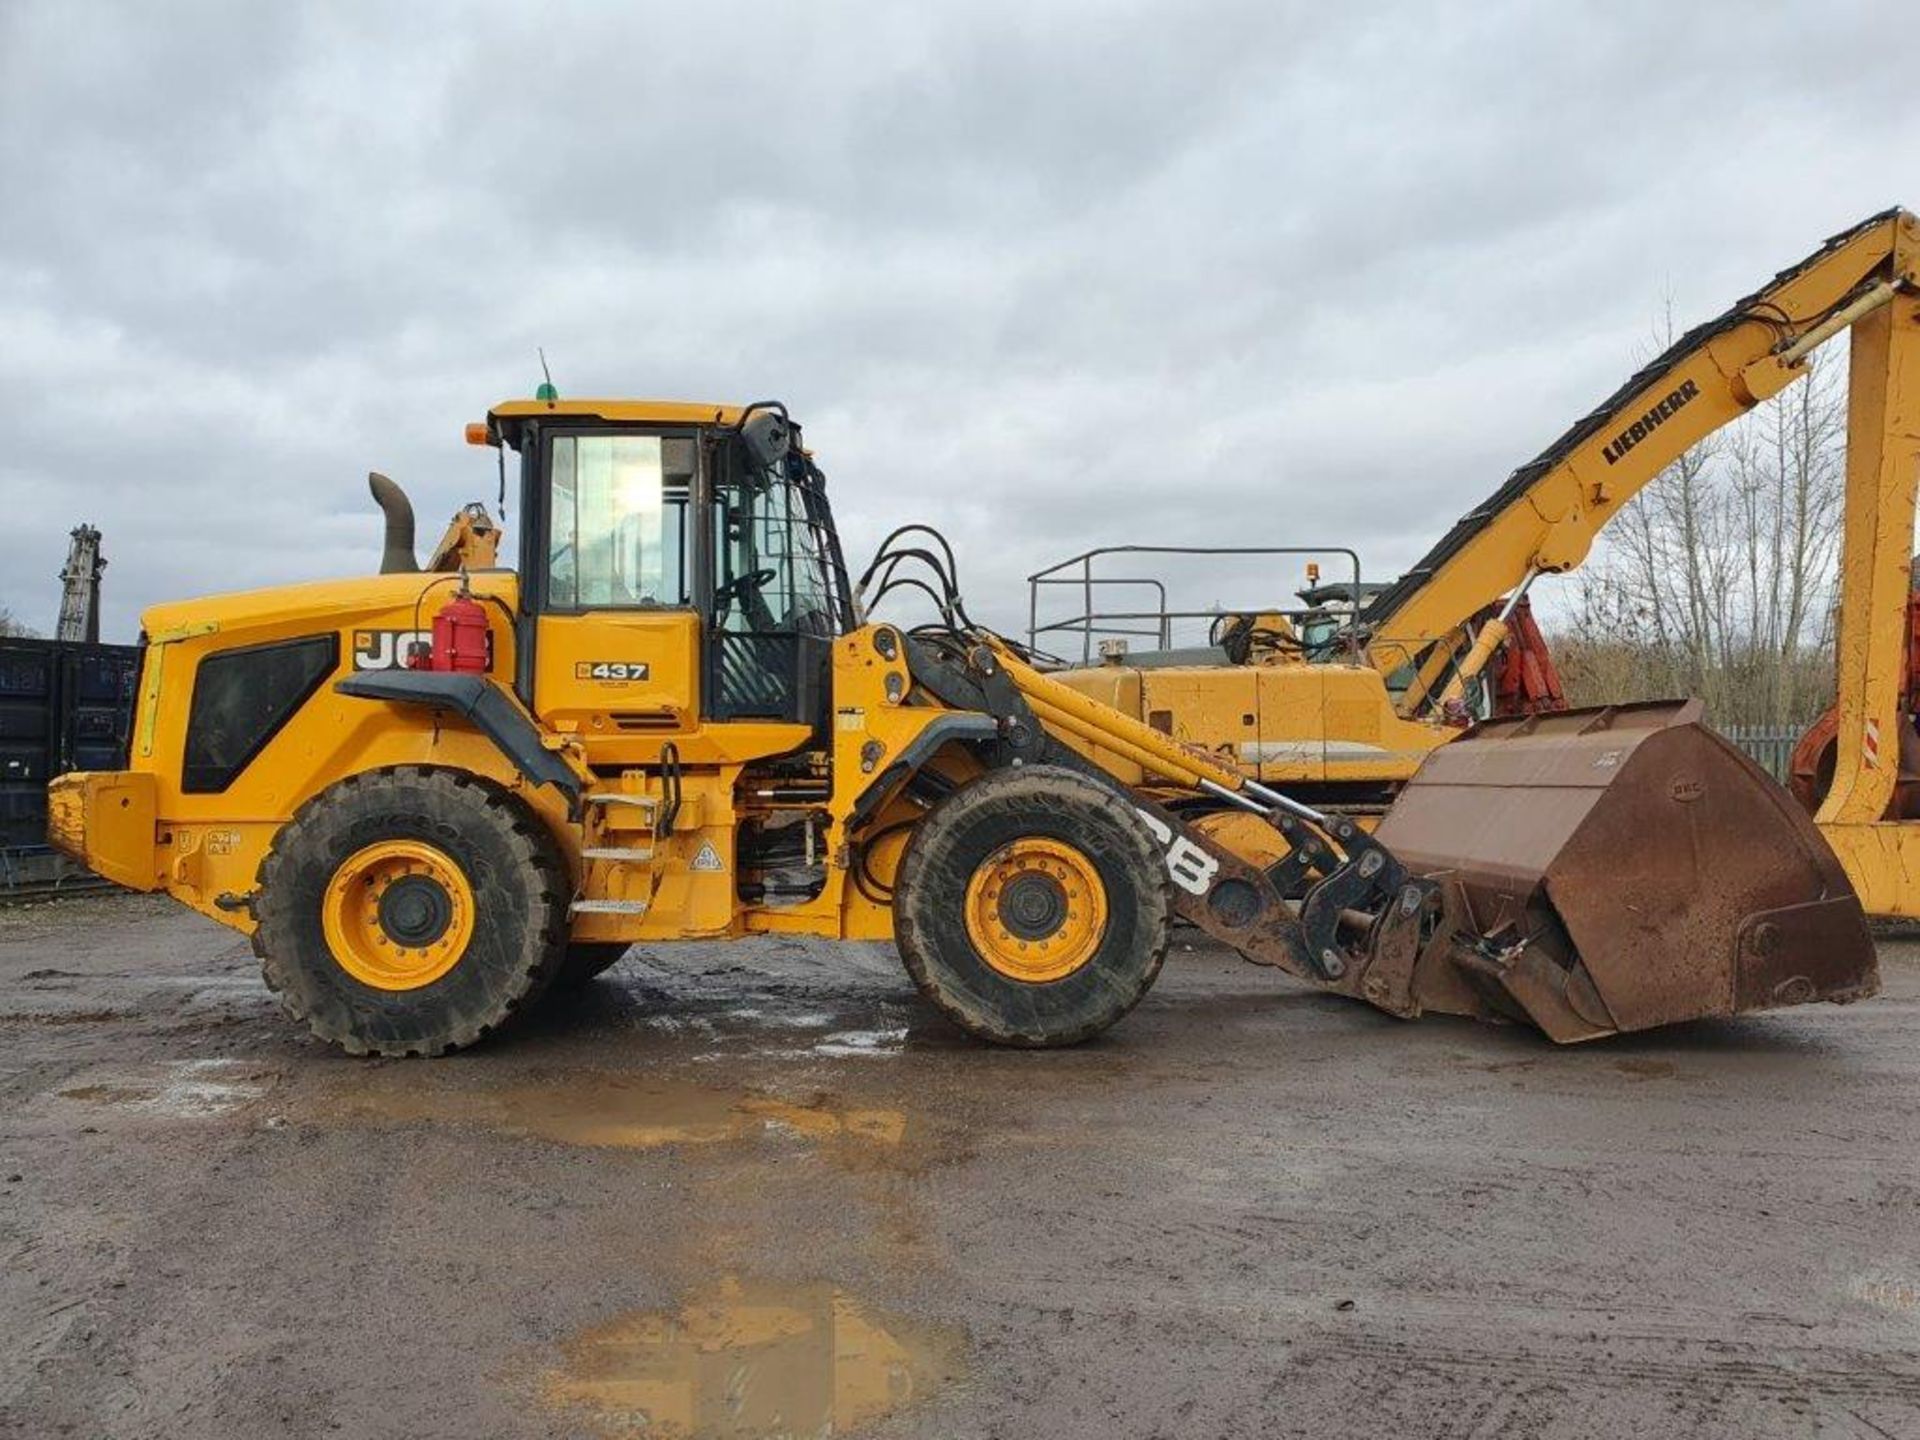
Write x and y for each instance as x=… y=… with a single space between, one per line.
x=760 y=1189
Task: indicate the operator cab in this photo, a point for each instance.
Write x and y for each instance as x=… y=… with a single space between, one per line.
x=1332 y=606
x=678 y=565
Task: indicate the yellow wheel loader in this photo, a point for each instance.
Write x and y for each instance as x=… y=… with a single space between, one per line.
x=1341 y=733
x=431 y=797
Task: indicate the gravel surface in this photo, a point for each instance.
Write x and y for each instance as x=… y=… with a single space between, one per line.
x=760 y=1189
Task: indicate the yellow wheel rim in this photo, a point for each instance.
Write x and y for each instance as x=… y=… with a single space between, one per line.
x=398 y=915
x=1036 y=910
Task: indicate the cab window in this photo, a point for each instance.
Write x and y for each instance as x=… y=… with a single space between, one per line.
x=769 y=562
x=617 y=521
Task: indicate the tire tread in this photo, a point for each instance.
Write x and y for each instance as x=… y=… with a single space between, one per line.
x=446 y=796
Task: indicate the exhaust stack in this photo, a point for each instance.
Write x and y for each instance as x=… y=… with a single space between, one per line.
x=396 y=557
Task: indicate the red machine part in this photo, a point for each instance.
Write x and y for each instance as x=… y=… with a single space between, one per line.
x=460 y=636
x=460 y=639
x=1525 y=681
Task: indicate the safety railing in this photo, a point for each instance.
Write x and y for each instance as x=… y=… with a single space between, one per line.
x=1080 y=572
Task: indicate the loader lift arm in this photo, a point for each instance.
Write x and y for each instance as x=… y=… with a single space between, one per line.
x=1545 y=518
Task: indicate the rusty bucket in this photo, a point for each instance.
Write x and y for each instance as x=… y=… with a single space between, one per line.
x=1621 y=868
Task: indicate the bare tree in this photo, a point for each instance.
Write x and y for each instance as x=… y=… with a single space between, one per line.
x=1788 y=469
x=10 y=627
x=1718 y=579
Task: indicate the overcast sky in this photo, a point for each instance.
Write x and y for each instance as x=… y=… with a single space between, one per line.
x=1045 y=276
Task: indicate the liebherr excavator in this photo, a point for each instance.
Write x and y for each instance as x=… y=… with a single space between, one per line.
x=1546 y=516
x=431 y=799
x=1289 y=696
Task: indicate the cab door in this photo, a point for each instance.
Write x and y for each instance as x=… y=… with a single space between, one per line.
x=617 y=652
x=775 y=606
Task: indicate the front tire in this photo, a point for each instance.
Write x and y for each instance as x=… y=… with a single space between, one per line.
x=410 y=911
x=1032 y=907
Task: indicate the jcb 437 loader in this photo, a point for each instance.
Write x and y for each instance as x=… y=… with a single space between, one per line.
x=431 y=798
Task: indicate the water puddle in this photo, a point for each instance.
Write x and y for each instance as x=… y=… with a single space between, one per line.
x=630 y=1114
x=751 y=1360
x=1640 y=1068
x=182 y=1089
x=849 y=1043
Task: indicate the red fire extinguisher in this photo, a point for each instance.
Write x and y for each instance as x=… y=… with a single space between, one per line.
x=459 y=636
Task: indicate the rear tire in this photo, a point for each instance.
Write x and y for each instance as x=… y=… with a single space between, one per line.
x=410 y=911
x=1032 y=907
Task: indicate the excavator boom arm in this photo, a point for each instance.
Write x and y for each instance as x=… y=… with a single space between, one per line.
x=1546 y=516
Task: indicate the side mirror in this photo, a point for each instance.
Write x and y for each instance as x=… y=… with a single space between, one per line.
x=767 y=434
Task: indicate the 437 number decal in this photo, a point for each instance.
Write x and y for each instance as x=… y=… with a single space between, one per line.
x=616 y=670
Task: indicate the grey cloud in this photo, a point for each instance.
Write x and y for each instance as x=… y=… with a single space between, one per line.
x=1048 y=277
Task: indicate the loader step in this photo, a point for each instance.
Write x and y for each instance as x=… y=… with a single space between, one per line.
x=620 y=797
x=621 y=853
x=607 y=907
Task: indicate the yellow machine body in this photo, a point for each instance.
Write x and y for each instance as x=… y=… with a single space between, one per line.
x=141 y=829
x=431 y=798
x=1330 y=729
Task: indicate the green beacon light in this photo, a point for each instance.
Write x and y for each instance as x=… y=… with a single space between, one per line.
x=546 y=394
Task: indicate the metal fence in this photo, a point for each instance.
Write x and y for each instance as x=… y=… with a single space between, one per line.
x=1771 y=746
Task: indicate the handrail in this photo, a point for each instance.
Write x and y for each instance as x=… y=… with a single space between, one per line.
x=1162 y=630
x=1093 y=620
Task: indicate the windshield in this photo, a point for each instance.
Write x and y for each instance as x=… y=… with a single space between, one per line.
x=617 y=520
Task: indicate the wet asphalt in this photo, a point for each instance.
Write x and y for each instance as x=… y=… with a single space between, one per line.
x=760 y=1189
